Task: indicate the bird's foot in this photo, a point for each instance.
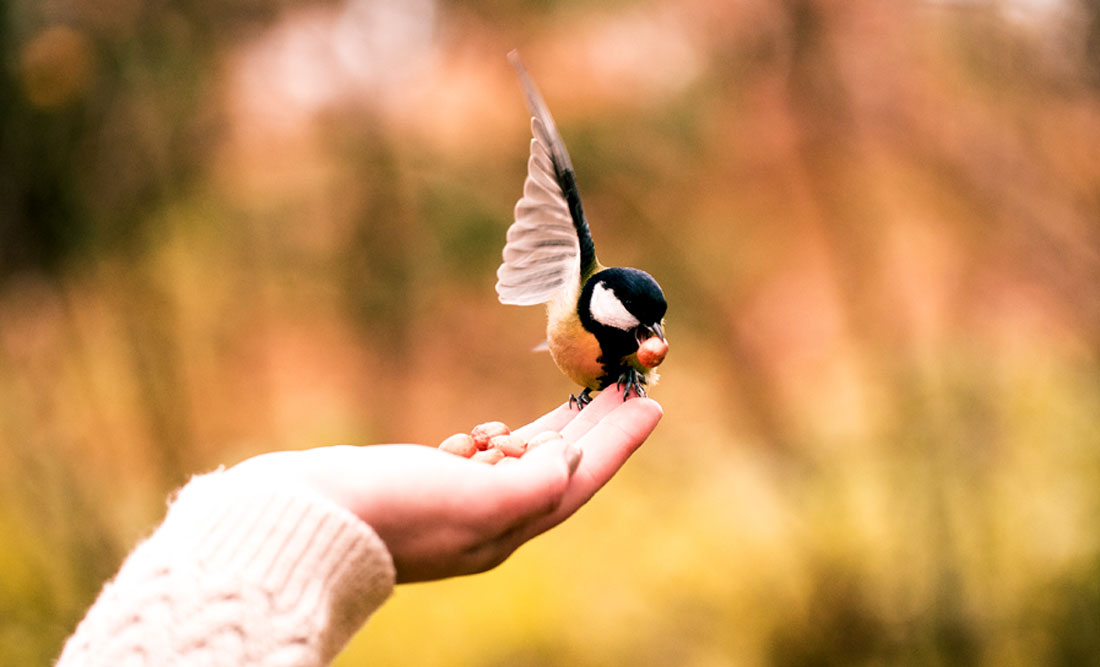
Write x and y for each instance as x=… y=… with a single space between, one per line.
x=582 y=399
x=631 y=380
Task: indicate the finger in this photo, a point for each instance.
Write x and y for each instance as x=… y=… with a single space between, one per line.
x=530 y=487
x=610 y=443
x=605 y=447
x=554 y=420
x=600 y=407
x=526 y=490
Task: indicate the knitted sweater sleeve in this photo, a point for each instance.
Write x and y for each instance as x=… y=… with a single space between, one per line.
x=240 y=572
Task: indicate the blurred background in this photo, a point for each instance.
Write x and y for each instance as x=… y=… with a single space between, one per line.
x=233 y=227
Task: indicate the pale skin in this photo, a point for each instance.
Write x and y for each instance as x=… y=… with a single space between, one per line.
x=441 y=515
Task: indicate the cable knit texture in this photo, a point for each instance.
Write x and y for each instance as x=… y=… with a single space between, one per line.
x=240 y=573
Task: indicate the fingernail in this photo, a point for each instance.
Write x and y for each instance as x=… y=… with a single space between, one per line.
x=572 y=458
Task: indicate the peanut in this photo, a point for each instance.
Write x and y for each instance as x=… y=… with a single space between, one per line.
x=511 y=445
x=459 y=444
x=483 y=433
x=652 y=352
x=490 y=456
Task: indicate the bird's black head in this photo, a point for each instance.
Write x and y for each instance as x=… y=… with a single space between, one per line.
x=622 y=300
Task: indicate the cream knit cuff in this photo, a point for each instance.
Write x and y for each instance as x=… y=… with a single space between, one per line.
x=242 y=569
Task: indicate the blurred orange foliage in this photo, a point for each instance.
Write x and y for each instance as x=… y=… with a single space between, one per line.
x=227 y=228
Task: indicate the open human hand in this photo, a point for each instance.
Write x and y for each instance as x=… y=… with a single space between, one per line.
x=441 y=515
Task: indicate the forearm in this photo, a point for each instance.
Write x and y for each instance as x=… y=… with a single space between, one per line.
x=240 y=572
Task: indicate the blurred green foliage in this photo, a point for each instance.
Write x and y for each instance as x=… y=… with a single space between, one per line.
x=227 y=228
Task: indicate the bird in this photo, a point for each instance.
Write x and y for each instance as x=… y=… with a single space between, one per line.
x=605 y=325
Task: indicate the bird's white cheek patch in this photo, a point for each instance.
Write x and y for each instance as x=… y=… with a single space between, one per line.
x=609 y=311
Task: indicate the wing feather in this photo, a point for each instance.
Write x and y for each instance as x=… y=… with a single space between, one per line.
x=542 y=254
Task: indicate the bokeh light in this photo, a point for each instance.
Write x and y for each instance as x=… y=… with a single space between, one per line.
x=235 y=227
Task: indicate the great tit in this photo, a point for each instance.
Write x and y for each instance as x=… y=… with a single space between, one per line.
x=598 y=318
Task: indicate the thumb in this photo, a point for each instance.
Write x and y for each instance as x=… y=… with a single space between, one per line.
x=535 y=484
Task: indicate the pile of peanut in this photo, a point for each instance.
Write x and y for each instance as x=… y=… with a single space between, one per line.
x=492 y=442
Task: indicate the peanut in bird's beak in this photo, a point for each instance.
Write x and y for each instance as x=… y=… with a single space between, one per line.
x=652 y=346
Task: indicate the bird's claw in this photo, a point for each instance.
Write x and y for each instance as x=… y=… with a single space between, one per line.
x=631 y=380
x=580 y=400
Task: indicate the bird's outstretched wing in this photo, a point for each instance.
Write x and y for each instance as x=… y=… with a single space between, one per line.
x=549 y=245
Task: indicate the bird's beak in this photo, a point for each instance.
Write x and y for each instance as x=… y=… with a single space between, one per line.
x=658 y=331
x=646 y=331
